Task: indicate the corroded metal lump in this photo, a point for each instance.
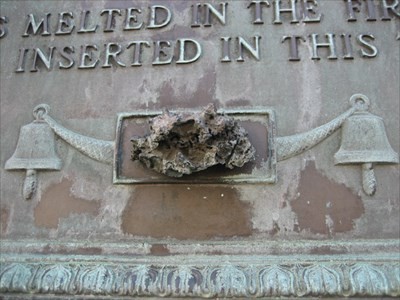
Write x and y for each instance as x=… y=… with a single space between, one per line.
x=184 y=143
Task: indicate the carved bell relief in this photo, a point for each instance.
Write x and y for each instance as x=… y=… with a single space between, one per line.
x=364 y=142
x=35 y=151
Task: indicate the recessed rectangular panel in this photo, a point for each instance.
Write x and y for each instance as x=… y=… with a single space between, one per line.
x=259 y=124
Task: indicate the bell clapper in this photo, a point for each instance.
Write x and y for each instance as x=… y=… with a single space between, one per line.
x=30 y=184
x=368 y=179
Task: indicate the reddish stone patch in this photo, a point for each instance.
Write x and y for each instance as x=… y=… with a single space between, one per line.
x=321 y=200
x=57 y=202
x=186 y=212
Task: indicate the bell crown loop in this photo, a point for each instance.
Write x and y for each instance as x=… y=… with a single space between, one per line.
x=360 y=102
x=40 y=110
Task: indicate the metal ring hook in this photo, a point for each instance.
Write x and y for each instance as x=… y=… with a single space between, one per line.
x=41 y=110
x=360 y=102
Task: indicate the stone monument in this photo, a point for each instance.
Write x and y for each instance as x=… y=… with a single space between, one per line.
x=201 y=149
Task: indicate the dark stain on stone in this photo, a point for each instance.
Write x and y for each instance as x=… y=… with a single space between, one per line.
x=216 y=252
x=186 y=212
x=88 y=250
x=4 y=219
x=48 y=249
x=326 y=250
x=275 y=229
x=159 y=250
x=324 y=206
x=58 y=202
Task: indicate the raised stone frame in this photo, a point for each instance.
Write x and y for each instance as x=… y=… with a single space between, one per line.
x=300 y=268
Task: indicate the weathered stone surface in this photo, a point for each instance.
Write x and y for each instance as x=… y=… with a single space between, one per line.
x=312 y=233
x=184 y=143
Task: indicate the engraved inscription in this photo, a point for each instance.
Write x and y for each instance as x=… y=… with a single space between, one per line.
x=122 y=51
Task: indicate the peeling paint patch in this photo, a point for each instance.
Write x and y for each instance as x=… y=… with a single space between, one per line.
x=323 y=206
x=4 y=218
x=58 y=202
x=186 y=212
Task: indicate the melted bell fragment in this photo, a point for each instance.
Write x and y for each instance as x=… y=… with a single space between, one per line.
x=184 y=143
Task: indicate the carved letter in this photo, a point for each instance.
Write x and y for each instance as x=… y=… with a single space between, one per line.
x=371 y=10
x=347 y=49
x=278 y=10
x=226 y=49
x=131 y=17
x=309 y=9
x=254 y=51
x=83 y=29
x=64 y=23
x=330 y=44
x=45 y=60
x=153 y=17
x=87 y=57
x=391 y=7
x=211 y=10
x=352 y=6
x=294 y=43
x=182 y=50
x=21 y=60
x=3 y=29
x=66 y=54
x=195 y=15
x=373 y=50
x=112 y=54
x=137 y=55
x=159 y=48
x=34 y=27
x=110 y=23
x=258 y=19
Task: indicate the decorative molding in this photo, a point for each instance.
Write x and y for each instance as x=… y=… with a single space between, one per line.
x=189 y=280
x=271 y=269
